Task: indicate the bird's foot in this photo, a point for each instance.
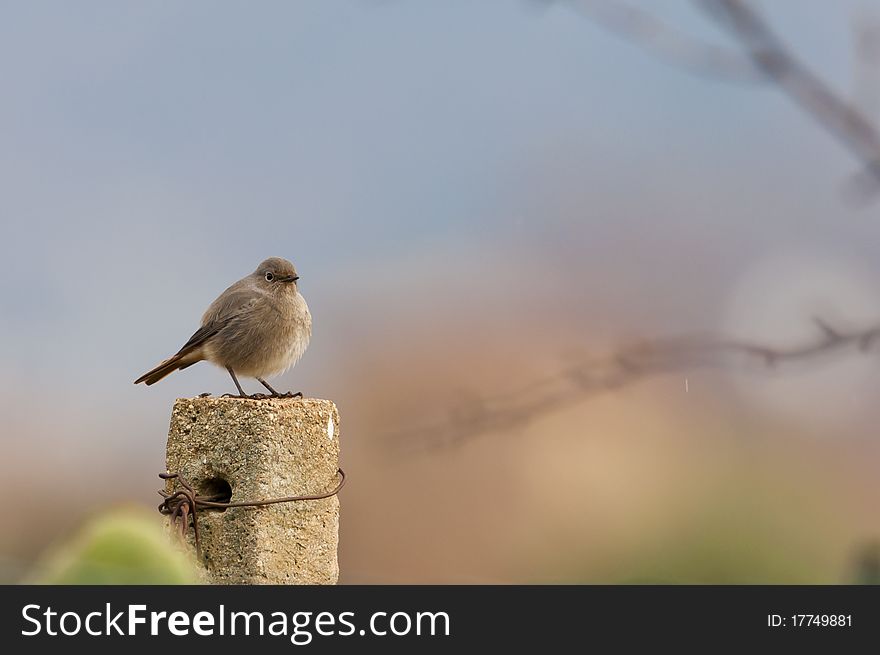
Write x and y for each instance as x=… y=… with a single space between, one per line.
x=258 y=396
x=289 y=394
x=205 y=395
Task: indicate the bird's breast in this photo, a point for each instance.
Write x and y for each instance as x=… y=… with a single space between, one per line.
x=268 y=342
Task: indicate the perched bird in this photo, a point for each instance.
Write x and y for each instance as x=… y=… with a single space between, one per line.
x=258 y=327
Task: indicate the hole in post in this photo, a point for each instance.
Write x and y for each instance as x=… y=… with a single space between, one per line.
x=217 y=490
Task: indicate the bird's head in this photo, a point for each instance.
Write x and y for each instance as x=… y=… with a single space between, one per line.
x=276 y=273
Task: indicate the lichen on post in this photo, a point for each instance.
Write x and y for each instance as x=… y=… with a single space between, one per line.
x=257 y=450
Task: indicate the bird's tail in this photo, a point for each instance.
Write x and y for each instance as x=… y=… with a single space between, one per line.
x=166 y=368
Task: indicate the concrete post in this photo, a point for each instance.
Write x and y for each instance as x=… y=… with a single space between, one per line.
x=261 y=449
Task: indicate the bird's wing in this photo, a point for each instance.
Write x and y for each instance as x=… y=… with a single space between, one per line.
x=231 y=304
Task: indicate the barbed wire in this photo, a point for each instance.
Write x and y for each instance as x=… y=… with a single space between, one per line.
x=572 y=385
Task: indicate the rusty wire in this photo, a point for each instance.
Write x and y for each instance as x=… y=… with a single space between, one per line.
x=184 y=503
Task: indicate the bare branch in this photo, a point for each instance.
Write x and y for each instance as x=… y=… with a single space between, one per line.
x=811 y=94
x=669 y=44
x=866 y=60
x=764 y=58
x=629 y=365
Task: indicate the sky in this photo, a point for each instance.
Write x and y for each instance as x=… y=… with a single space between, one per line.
x=153 y=148
x=439 y=172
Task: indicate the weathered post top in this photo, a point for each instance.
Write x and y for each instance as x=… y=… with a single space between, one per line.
x=258 y=450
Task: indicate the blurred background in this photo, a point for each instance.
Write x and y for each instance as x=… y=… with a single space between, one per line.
x=476 y=196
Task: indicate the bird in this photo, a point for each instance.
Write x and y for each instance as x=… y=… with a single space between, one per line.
x=258 y=327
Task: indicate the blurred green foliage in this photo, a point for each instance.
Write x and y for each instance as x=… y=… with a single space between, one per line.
x=124 y=546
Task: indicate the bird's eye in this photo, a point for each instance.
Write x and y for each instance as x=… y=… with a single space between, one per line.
x=269 y=277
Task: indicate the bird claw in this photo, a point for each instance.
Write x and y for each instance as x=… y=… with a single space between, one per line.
x=288 y=394
x=205 y=395
x=258 y=396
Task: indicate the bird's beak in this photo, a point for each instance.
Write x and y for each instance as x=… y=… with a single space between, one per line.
x=288 y=278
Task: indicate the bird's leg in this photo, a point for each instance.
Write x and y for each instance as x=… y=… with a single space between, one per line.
x=241 y=393
x=276 y=394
